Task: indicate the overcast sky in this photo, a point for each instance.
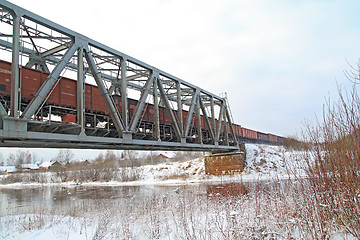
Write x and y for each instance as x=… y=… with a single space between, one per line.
x=277 y=60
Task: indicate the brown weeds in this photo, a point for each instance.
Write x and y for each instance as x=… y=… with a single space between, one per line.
x=334 y=176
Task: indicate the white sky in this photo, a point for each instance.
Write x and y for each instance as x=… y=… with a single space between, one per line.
x=277 y=60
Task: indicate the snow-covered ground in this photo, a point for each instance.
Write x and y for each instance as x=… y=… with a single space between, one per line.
x=263 y=162
x=270 y=214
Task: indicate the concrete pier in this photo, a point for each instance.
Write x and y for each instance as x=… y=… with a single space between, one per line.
x=226 y=163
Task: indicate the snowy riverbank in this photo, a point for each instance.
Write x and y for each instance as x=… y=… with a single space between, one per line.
x=263 y=162
x=172 y=201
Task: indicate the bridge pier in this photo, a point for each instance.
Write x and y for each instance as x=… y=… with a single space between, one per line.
x=226 y=163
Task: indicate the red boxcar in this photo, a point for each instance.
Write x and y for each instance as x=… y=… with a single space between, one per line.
x=248 y=133
x=273 y=138
x=65 y=94
x=263 y=136
x=69 y=118
x=5 y=78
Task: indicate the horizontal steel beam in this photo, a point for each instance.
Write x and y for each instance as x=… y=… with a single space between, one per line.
x=51 y=140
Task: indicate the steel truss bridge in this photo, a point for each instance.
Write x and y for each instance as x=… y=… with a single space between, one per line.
x=196 y=119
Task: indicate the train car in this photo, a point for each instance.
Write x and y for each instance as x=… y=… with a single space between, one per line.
x=65 y=95
x=238 y=130
x=263 y=137
x=249 y=134
x=281 y=140
x=273 y=138
x=5 y=78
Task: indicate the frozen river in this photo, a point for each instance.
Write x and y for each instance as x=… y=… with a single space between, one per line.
x=122 y=212
x=189 y=211
x=60 y=199
x=261 y=210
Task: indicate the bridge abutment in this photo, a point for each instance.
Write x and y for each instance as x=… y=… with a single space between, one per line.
x=226 y=163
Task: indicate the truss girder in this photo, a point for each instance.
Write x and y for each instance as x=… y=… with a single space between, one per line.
x=114 y=114
x=50 y=83
x=141 y=103
x=113 y=73
x=169 y=109
x=190 y=113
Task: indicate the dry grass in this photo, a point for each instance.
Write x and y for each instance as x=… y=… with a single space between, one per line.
x=182 y=176
x=334 y=177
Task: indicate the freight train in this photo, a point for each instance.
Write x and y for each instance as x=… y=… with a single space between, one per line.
x=63 y=101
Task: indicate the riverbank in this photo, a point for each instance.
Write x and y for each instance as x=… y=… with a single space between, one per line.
x=269 y=200
x=263 y=163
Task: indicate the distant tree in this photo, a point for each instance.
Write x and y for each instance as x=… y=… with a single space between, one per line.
x=64 y=155
x=131 y=155
x=35 y=158
x=19 y=159
x=109 y=156
x=292 y=142
x=179 y=156
x=28 y=158
x=2 y=160
x=99 y=158
x=11 y=159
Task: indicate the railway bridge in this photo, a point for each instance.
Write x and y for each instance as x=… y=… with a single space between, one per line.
x=61 y=89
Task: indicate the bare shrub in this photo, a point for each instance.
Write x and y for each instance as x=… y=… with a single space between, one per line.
x=128 y=174
x=182 y=156
x=334 y=177
x=293 y=143
x=64 y=155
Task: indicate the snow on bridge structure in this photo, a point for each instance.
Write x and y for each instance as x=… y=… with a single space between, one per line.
x=61 y=89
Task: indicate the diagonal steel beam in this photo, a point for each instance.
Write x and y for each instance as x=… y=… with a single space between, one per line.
x=207 y=122
x=50 y=83
x=212 y=108
x=228 y=116
x=190 y=113
x=226 y=132
x=218 y=130
x=141 y=103
x=2 y=111
x=198 y=121
x=114 y=113
x=168 y=107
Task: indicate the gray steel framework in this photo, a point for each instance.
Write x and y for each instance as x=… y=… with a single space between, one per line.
x=38 y=43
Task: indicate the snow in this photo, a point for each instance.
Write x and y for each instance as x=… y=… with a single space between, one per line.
x=58 y=228
x=263 y=162
x=45 y=164
x=3 y=169
x=32 y=166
